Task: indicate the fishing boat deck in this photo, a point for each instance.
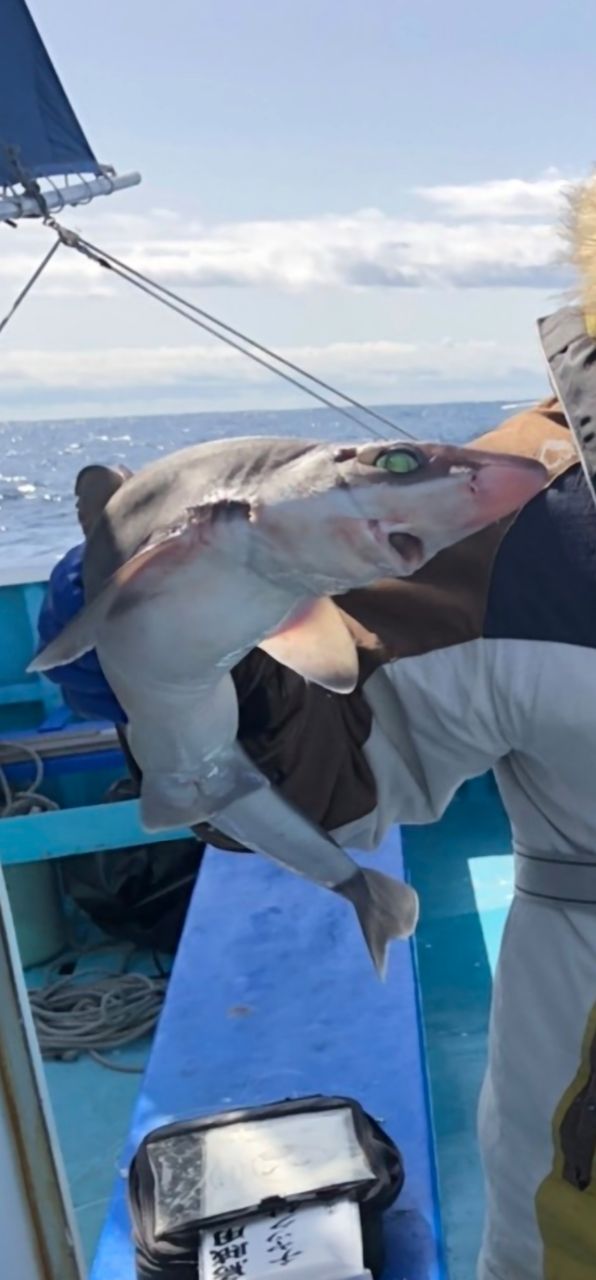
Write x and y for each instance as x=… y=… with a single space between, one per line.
x=460 y=866
x=275 y=999
x=463 y=872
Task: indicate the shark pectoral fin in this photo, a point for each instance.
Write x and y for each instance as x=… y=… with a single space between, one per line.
x=168 y=549
x=317 y=644
x=386 y=909
x=80 y=635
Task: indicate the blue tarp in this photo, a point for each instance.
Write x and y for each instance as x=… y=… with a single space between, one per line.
x=36 y=118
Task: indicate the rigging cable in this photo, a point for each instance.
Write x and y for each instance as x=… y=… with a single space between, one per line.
x=29 y=285
x=206 y=321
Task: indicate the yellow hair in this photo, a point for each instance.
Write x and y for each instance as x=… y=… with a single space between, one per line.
x=579 y=232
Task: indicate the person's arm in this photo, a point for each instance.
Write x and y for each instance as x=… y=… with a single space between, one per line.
x=83 y=685
x=439 y=720
x=395 y=751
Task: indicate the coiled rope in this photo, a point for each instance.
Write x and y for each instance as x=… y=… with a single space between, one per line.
x=29 y=800
x=96 y=1010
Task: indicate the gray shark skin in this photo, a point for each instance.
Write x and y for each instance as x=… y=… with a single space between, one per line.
x=231 y=545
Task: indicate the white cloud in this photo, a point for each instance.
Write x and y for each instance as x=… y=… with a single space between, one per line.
x=365 y=249
x=376 y=366
x=501 y=198
x=488 y=236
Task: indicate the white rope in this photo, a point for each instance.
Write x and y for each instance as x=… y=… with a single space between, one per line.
x=30 y=800
x=23 y=294
x=58 y=194
x=95 y=1010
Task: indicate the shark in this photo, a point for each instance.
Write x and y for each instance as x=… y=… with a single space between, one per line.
x=229 y=545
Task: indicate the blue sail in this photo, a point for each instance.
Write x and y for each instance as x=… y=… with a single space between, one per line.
x=40 y=136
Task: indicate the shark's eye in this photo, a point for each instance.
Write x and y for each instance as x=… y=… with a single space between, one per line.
x=399 y=461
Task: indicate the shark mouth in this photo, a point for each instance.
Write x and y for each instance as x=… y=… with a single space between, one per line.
x=406 y=546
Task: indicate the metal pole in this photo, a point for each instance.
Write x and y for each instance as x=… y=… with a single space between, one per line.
x=38 y=1234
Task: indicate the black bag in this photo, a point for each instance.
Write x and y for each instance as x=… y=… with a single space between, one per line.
x=166 y=1188
x=139 y=894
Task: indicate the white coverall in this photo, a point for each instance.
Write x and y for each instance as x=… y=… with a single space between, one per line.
x=527 y=710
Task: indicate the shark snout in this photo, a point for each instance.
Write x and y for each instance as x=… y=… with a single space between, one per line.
x=498 y=484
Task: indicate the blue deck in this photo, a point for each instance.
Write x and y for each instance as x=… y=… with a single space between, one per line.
x=464 y=877
x=276 y=999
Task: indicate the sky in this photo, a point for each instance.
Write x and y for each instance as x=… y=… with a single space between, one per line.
x=371 y=187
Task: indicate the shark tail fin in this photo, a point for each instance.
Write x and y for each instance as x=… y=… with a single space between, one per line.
x=386 y=909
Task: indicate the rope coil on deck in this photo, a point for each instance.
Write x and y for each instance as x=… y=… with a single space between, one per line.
x=92 y=1009
x=96 y=1010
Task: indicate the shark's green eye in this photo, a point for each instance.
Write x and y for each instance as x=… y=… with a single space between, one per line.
x=399 y=461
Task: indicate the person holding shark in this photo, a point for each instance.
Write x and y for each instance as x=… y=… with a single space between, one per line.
x=266 y=531
x=481 y=656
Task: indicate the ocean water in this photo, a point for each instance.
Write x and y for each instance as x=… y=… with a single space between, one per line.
x=39 y=461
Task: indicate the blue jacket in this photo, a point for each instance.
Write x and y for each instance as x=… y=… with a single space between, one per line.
x=84 y=686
